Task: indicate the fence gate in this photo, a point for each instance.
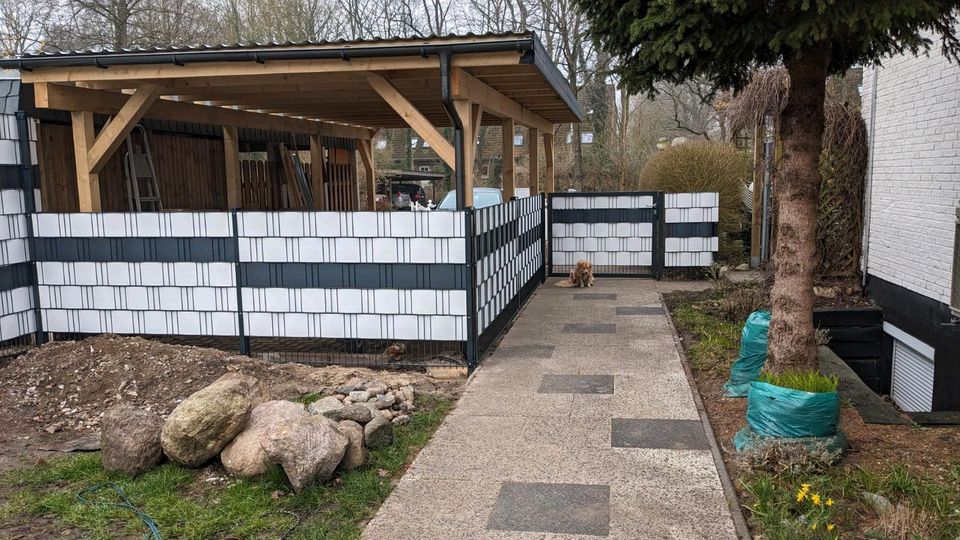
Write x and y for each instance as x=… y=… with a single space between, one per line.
x=635 y=234
x=620 y=233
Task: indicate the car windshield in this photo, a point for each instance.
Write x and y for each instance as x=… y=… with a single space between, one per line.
x=481 y=199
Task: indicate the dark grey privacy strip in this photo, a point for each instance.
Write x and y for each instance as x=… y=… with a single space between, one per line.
x=604 y=215
x=10 y=176
x=135 y=250
x=15 y=276
x=690 y=230
x=354 y=276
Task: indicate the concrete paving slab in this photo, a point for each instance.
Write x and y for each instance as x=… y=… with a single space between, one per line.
x=658 y=433
x=553 y=508
x=589 y=328
x=504 y=432
x=576 y=384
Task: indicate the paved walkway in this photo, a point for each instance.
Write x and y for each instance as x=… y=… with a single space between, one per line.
x=580 y=425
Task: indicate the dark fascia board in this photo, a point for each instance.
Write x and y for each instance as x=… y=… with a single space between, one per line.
x=533 y=53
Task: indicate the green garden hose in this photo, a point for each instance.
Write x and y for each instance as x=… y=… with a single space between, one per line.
x=126 y=504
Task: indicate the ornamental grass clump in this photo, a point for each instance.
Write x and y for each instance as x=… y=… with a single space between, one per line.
x=805 y=381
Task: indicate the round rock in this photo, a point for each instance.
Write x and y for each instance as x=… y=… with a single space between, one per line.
x=130 y=440
x=244 y=456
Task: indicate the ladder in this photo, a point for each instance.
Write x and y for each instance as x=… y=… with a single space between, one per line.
x=142 y=189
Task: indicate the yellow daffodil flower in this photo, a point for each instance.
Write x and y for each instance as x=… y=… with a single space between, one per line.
x=830 y=526
x=829 y=502
x=815 y=499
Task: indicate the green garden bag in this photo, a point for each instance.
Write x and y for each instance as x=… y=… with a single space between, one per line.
x=805 y=417
x=753 y=354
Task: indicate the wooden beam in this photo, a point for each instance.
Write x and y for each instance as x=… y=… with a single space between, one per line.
x=72 y=98
x=466 y=86
x=231 y=156
x=113 y=134
x=549 y=180
x=466 y=112
x=316 y=173
x=507 y=158
x=533 y=146
x=243 y=70
x=88 y=183
x=414 y=118
x=365 y=146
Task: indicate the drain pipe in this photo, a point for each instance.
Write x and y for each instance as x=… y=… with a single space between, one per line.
x=458 y=147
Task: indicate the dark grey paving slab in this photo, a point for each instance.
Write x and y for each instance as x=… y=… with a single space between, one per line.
x=657 y=433
x=576 y=384
x=589 y=328
x=640 y=310
x=594 y=296
x=552 y=508
x=525 y=351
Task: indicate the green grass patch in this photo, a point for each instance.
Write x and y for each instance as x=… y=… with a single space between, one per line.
x=716 y=342
x=805 y=381
x=922 y=506
x=185 y=505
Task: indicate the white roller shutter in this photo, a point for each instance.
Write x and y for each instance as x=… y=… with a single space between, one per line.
x=912 y=385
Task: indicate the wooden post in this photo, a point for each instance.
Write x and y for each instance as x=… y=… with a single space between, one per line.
x=316 y=173
x=365 y=146
x=533 y=144
x=756 y=220
x=88 y=182
x=548 y=177
x=231 y=156
x=507 y=158
x=467 y=118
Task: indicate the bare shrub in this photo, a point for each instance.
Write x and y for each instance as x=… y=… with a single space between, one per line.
x=903 y=522
x=777 y=456
x=742 y=301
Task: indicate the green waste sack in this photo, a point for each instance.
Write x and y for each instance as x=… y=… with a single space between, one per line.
x=774 y=411
x=753 y=354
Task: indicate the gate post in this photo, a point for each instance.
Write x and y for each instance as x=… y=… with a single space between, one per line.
x=244 y=340
x=469 y=227
x=659 y=230
x=545 y=230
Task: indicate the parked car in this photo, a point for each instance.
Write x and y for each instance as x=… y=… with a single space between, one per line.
x=403 y=195
x=482 y=198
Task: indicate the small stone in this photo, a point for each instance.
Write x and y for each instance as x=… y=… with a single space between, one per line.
x=386 y=413
x=401 y=420
x=385 y=401
x=743 y=267
x=355 y=412
x=345 y=389
x=356 y=453
x=879 y=503
x=378 y=432
x=357 y=383
x=359 y=395
x=376 y=388
x=325 y=405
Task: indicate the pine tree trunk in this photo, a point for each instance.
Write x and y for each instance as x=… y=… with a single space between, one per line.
x=792 y=345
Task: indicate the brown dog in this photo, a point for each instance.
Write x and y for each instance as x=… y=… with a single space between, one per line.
x=580 y=276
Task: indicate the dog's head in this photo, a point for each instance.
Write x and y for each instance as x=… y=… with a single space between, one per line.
x=584 y=266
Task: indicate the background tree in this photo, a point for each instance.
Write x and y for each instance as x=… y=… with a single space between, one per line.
x=676 y=40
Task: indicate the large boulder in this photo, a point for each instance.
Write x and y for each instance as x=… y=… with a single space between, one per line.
x=243 y=456
x=378 y=432
x=355 y=411
x=205 y=422
x=130 y=440
x=356 y=453
x=309 y=448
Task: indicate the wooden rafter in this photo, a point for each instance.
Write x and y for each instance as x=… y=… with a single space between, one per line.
x=533 y=152
x=413 y=117
x=365 y=147
x=113 y=134
x=549 y=180
x=88 y=183
x=71 y=98
x=466 y=86
x=231 y=155
x=507 y=158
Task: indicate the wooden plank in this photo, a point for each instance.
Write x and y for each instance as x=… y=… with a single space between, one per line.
x=466 y=113
x=366 y=155
x=250 y=69
x=68 y=98
x=466 y=86
x=550 y=183
x=413 y=118
x=231 y=161
x=88 y=181
x=533 y=153
x=316 y=172
x=507 y=159
x=113 y=134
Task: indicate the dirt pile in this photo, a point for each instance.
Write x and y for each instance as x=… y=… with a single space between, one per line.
x=66 y=386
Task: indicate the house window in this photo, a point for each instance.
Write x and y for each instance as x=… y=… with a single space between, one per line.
x=424 y=168
x=586 y=137
x=381 y=145
x=911 y=384
x=518 y=140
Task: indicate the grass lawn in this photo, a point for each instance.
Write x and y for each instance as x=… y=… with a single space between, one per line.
x=892 y=461
x=207 y=503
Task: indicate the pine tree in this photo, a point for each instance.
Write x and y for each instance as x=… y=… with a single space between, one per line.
x=723 y=40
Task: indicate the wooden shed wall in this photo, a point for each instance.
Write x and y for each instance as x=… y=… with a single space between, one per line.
x=190 y=172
